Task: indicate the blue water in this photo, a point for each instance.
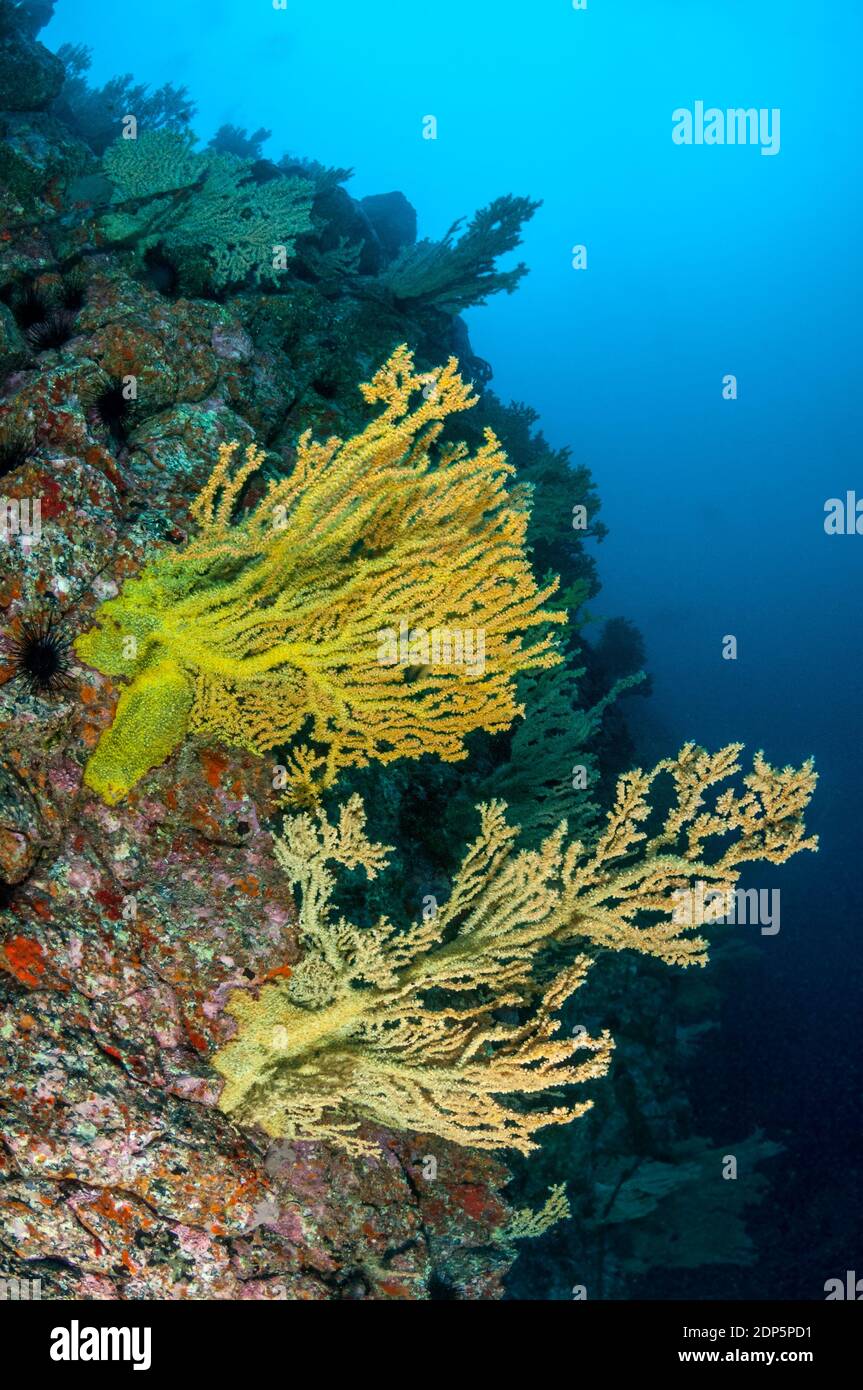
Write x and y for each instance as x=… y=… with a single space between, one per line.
x=701 y=261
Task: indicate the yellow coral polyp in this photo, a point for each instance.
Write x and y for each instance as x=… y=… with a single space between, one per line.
x=275 y=620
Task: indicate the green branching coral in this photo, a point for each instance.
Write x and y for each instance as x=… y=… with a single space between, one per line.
x=452 y=275
x=234 y=223
x=96 y=114
x=565 y=504
x=158 y=161
x=333 y=267
x=551 y=773
x=450 y=1026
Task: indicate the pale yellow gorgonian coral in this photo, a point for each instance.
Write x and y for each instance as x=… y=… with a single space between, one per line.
x=286 y=625
x=408 y=1028
x=527 y=1224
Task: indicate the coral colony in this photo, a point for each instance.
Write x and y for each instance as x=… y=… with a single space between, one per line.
x=261 y=629
x=321 y=855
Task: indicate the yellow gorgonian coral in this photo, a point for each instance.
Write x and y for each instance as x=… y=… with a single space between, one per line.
x=527 y=1224
x=406 y=1028
x=375 y=603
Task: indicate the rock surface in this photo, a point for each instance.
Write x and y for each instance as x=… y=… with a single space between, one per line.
x=123 y=931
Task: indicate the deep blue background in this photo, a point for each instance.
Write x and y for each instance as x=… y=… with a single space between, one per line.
x=701 y=261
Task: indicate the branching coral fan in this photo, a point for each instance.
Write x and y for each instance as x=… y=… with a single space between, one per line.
x=405 y=1028
x=527 y=1224
x=453 y=275
x=263 y=626
x=95 y=114
x=548 y=744
x=235 y=223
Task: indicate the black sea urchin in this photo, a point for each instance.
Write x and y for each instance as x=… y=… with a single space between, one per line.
x=16 y=448
x=28 y=304
x=41 y=655
x=54 y=329
x=73 y=291
x=112 y=410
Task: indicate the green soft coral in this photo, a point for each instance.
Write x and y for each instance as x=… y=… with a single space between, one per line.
x=551 y=742
x=452 y=275
x=226 y=219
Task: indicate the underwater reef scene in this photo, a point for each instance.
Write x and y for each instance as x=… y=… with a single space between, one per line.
x=352 y=945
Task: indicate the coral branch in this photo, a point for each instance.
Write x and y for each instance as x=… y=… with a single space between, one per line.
x=405 y=1027
x=278 y=622
x=452 y=275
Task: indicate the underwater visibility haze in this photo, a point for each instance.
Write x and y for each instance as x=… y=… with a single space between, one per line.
x=430 y=563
